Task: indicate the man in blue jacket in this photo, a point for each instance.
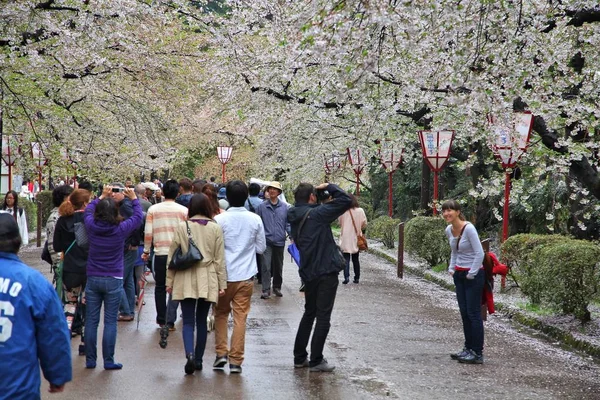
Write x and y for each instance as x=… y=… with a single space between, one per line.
x=33 y=329
x=320 y=263
x=273 y=213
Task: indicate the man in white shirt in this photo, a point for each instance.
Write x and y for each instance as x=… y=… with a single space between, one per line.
x=244 y=236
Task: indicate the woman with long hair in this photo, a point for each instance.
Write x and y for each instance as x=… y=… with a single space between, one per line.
x=106 y=231
x=11 y=206
x=211 y=193
x=351 y=222
x=198 y=287
x=73 y=271
x=469 y=278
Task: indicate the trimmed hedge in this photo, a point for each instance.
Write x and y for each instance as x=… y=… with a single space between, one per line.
x=45 y=198
x=424 y=237
x=384 y=229
x=556 y=271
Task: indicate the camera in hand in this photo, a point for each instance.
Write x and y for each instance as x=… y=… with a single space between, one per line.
x=322 y=195
x=117 y=189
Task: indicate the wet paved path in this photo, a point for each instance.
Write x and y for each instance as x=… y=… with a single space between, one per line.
x=390 y=338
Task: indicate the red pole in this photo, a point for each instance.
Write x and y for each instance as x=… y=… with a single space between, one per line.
x=435 y=192
x=357 y=173
x=390 y=196
x=223 y=172
x=9 y=177
x=505 y=214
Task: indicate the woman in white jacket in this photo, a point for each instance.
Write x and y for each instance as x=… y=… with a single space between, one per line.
x=11 y=206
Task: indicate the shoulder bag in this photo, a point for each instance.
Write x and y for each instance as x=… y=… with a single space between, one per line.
x=361 y=241
x=181 y=261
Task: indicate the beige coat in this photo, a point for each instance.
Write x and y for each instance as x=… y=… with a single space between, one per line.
x=348 y=232
x=206 y=278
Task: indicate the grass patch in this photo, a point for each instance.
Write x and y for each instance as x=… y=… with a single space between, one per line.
x=535 y=308
x=443 y=267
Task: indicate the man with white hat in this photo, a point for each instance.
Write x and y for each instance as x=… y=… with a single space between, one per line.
x=274 y=216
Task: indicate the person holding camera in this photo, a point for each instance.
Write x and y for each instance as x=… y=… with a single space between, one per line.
x=320 y=263
x=107 y=233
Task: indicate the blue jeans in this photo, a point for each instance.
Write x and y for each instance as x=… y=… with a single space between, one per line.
x=172 y=306
x=128 y=295
x=319 y=297
x=194 y=314
x=100 y=290
x=468 y=294
x=355 y=264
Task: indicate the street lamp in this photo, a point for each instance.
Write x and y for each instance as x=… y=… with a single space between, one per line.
x=390 y=161
x=436 y=151
x=511 y=143
x=224 y=155
x=358 y=164
x=9 y=156
x=332 y=164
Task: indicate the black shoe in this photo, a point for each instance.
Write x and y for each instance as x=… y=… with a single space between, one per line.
x=457 y=355
x=345 y=282
x=471 y=358
x=355 y=281
x=164 y=334
x=220 y=362
x=190 y=365
x=277 y=292
x=198 y=366
x=235 y=369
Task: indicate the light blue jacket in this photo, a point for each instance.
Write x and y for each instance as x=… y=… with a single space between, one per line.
x=33 y=331
x=274 y=218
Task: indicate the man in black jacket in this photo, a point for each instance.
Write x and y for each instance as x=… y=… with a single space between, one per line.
x=320 y=263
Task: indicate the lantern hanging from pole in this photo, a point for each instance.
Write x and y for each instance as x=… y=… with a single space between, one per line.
x=224 y=156
x=390 y=159
x=357 y=162
x=436 y=146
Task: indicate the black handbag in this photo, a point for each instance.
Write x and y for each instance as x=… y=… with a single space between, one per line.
x=181 y=261
x=46 y=254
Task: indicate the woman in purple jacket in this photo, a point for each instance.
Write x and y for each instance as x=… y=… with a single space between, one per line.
x=106 y=235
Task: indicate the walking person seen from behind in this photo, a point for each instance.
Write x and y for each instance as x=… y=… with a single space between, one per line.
x=199 y=286
x=352 y=222
x=469 y=277
x=244 y=237
x=106 y=232
x=320 y=264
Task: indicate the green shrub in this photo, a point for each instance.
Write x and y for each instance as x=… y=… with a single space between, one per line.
x=424 y=237
x=45 y=198
x=516 y=251
x=384 y=229
x=566 y=276
x=30 y=210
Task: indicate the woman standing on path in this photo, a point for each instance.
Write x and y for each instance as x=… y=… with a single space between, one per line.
x=106 y=235
x=200 y=285
x=469 y=277
x=11 y=206
x=351 y=222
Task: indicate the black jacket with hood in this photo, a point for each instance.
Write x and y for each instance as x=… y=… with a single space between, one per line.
x=319 y=253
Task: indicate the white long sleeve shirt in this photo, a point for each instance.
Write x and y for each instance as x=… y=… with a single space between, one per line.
x=244 y=236
x=21 y=222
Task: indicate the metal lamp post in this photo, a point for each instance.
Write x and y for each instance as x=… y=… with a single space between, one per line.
x=39 y=159
x=436 y=151
x=224 y=155
x=511 y=143
x=358 y=164
x=331 y=164
x=390 y=161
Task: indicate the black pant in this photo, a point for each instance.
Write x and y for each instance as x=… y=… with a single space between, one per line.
x=319 y=298
x=160 y=290
x=355 y=264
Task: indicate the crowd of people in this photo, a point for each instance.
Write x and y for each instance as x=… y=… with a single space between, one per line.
x=99 y=247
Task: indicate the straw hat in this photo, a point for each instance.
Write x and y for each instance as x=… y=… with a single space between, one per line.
x=274 y=184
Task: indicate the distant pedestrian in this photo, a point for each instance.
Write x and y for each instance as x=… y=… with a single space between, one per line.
x=244 y=237
x=199 y=286
x=469 y=278
x=273 y=213
x=11 y=206
x=33 y=331
x=320 y=264
x=352 y=221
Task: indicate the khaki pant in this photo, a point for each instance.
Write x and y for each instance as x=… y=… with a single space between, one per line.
x=237 y=300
